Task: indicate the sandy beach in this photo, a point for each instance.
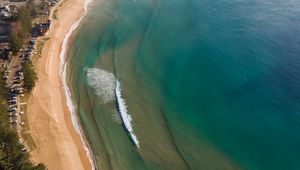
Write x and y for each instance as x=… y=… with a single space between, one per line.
x=58 y=145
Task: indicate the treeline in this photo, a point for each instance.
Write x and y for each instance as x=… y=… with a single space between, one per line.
x=21 y=26
x=12 y=155
x=30 y=76
x=20 y=29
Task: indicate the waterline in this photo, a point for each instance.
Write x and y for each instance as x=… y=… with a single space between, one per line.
x=63 y=75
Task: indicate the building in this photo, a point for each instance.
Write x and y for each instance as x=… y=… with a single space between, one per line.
x=41 y=29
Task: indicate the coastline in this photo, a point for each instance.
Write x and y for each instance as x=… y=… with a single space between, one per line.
x=63 y=74
x=59 y=144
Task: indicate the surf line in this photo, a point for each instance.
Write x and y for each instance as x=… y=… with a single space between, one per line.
x=126 y=118
x=63 y=75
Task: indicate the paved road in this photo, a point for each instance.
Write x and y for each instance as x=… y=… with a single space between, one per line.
x=14 y=64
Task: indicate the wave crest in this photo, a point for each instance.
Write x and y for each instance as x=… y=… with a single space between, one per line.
x=108 y=88
x=126 y=118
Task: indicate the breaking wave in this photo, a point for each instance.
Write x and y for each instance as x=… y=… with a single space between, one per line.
x=108 y=88
x=126 y=118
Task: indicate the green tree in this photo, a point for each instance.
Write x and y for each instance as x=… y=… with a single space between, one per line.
x=40 y=167
x=15 y=41
x=32 y=8
x=29 y=76
x=2 y=85
x=11 y=154
x=24 y=17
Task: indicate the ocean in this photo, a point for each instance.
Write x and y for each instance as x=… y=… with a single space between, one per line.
x=189 y=84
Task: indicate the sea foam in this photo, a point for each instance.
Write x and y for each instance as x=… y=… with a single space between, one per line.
x=126 y=118
x=108 y=88
x=103 y=82
x=63 y=74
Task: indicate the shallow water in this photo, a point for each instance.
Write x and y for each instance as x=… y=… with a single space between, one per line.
x=208 y=85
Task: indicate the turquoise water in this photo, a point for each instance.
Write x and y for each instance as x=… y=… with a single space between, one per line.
x=208 y=84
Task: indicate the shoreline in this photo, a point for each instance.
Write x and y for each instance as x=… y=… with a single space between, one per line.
x=63 y=74
x=59 y=144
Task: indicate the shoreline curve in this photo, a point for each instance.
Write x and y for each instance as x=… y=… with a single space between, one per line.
x=58 y=145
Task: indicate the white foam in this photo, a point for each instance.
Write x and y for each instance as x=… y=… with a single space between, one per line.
x=124 y=115
x=107 y=87
x=63 y=74
x=103 y=82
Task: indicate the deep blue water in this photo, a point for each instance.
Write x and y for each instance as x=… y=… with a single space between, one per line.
x=215 y=83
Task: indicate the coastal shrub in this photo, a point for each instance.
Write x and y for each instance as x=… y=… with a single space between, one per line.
x=29 y=76
x=55 y=14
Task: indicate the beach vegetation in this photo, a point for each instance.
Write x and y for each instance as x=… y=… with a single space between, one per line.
x=30 y=76
x=15 y=41
x=2 y=87
x=25 y=19
x=20 y=30
x=40 y=46
x=12 y=153
x=32 y=8
x=55 y=14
